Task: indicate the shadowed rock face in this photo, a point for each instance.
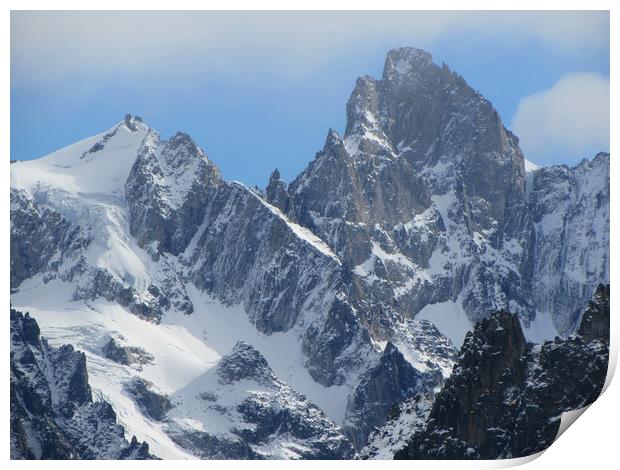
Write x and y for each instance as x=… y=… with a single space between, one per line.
x=595 y=319
x=53 y=415
x=244 y=363
x=169 y=185
x=392 y=381
x=507 y=402
x=275 y=192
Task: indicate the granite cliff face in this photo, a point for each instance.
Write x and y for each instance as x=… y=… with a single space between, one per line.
x=505 y=397
x=424 y=196
x=53 y=414
x=167 y=189
x=371 y=266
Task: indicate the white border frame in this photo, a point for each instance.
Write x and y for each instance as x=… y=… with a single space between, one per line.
x=591 y=443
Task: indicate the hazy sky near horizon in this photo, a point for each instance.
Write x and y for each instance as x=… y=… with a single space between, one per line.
x=259 y=90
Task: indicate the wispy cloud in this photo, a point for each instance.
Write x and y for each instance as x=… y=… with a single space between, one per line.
x=49 y=47
x=571 y=119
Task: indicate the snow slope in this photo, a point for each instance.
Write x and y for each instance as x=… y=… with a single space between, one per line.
x=76 y=171
x=184 y=347
x=449 y=318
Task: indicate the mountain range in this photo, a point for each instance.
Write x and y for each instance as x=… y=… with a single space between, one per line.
x=222 y=321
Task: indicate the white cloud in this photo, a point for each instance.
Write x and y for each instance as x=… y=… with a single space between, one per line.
x=48 y=47
x=568 y=121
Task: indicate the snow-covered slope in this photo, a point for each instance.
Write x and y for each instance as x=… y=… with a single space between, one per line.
x=98 y=165
x=82 y=190
x=179 y=350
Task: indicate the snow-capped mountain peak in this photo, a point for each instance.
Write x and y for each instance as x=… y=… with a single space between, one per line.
x=98 y=164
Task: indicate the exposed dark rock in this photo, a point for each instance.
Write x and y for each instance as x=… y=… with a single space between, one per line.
x=100 y=145
x=276 y=192
x=95 y=148
x=595 y=319
x=129 y=122
x=325 y=343
x=505 y=398
x=53 y=415
x=126 y=355
x=41 y=239
x=211 y=447
x=390 y=382
x=101 y=283
x=244 y=363
x=152 y=403
x=403 y=421
x=167 y=191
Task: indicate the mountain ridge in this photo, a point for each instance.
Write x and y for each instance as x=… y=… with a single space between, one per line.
x=421 y=216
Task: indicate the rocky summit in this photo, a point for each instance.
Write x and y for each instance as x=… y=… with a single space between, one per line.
x=323 y=317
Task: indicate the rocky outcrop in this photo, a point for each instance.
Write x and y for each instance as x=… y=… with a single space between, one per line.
x=168 y=186
x=403 y=421
x=151 y=402
x=41 y=239
x=275 y=192
x=505 y=398
x=263 y=416
x=122 y=354
x=595 y=319
x=95 y=283
x=53 y=414
x=392 y=381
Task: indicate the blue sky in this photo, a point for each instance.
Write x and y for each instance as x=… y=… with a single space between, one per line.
x=260 y=90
